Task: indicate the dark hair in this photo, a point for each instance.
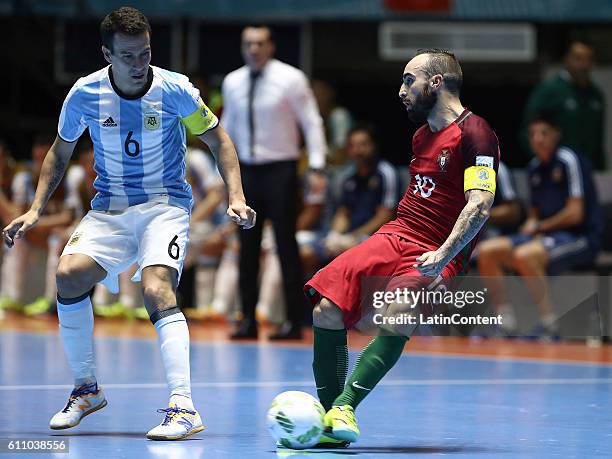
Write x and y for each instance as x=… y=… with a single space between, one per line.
x=262 y=26
x=443 y=62
x=578 y=39
x=369 y=129
x=550 y=117
x=125 y=20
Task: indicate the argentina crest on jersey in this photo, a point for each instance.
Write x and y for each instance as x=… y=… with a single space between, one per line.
x=151 y=117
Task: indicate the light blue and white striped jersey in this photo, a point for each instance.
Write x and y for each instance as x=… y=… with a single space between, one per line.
x=139 y=142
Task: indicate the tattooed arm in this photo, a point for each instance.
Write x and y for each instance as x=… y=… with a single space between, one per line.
x=470 y=220
x=53 y=168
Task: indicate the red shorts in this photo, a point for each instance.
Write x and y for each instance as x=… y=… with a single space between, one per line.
x=381 y=258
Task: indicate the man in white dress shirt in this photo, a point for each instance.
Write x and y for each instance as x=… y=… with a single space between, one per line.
x=266 y=103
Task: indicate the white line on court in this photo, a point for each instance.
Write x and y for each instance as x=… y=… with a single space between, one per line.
x=305 y=348
x=391 y=382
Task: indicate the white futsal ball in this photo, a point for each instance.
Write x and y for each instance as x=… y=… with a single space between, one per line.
x=295 y=419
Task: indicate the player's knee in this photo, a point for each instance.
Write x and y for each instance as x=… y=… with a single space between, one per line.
x=158 y=291
x=158 y=294
x=487 y=250
x=327 y=315
x=159 y=286
x=528 y=258
x=522 y=255
x=72 y=279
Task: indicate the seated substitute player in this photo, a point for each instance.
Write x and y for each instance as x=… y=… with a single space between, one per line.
x=563 y=228
x=136 y=115
x=368 y=199
x=452 y=187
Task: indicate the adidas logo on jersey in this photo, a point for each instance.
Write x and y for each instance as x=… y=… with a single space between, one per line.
x=110 y=122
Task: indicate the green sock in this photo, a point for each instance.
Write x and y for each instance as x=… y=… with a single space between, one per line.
x=373 y=363
x=330 y=363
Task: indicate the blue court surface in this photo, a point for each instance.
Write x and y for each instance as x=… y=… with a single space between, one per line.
x=428 y=406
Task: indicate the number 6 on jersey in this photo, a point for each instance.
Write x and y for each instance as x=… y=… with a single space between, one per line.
x=131 y=146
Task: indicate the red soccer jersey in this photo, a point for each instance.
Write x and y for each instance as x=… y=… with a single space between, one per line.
x=435 y=196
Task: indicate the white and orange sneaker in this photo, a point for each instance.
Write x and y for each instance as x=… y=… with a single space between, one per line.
x=178 y=423
x=83 y=401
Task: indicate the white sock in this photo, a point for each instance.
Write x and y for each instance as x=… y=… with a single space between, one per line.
x=173 y=337
x=182 y=402
x=76 y=330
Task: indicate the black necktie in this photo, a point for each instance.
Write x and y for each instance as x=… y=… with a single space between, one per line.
x=252 y=80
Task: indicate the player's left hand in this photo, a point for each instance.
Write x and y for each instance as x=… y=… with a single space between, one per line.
x=242 y=215
x=431 y=264
x=18 y=227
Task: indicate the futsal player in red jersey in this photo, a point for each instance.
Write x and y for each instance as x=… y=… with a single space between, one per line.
x=452 y=186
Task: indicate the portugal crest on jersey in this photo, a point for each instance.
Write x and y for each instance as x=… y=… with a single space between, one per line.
x=443 y=159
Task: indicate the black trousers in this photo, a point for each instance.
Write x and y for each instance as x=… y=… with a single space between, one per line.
x=271 y=189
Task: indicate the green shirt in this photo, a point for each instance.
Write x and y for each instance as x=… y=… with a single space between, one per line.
x=580 y=112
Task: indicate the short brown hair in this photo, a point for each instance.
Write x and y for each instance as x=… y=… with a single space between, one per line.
x=369 y=129
x=443 y=62
x=125 y=20
x=550 y=117
x=271 y=36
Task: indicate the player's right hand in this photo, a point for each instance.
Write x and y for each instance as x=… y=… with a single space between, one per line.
x=17 y=228
x=242 y=215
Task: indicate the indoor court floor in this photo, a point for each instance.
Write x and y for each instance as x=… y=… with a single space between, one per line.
x=445 y=397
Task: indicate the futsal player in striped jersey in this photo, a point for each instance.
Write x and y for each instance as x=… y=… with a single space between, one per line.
x=137 y=116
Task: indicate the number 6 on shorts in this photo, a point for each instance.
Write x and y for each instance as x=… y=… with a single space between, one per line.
x=173 y=248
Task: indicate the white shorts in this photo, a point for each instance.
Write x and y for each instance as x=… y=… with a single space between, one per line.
x=150 y=234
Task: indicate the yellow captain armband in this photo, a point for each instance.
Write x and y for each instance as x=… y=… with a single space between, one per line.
x=479 y=178
x=201 y=120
